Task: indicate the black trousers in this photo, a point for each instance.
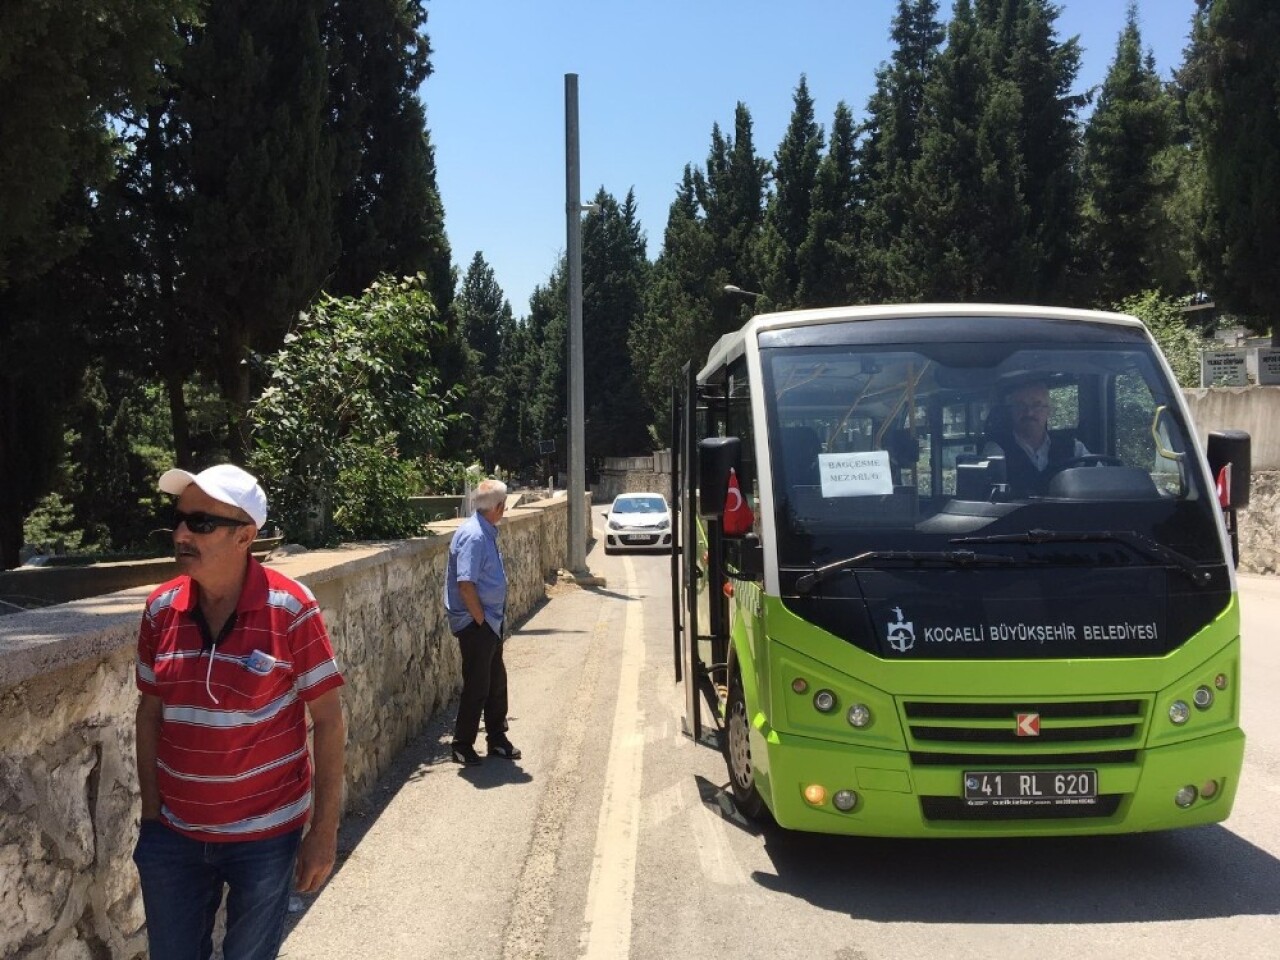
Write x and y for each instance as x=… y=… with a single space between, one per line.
x=484 y=685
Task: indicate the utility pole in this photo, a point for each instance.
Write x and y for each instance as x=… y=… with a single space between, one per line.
x=577 y=559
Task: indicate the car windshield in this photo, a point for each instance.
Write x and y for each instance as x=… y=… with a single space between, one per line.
x=639 y=505
x=886 y=447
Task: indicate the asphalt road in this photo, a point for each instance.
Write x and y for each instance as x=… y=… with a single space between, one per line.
x=613 y=837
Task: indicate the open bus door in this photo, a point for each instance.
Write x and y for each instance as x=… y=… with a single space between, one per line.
x=697 y=575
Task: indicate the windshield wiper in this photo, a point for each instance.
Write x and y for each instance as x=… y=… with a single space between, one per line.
x=956 y=558
x=1130 y=538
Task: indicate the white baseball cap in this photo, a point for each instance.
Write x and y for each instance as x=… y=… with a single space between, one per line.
x=225 y=482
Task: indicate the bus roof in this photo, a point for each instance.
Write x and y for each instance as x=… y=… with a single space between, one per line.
x=731 y=345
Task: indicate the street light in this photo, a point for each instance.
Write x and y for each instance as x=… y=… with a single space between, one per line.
x=735 y=289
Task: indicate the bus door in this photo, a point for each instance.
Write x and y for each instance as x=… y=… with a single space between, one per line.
x=696 y=574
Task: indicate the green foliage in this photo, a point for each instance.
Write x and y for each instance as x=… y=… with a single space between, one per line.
x=65 y=65
x=51 y=527
x=341 y=424
x=1180 y=344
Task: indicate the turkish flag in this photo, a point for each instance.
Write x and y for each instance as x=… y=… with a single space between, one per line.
x=1224 y=486
x=738 y=517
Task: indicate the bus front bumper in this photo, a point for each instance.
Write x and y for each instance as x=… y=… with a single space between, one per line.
x=895 y=798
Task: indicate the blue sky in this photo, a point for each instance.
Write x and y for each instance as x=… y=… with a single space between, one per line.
x=653 y=77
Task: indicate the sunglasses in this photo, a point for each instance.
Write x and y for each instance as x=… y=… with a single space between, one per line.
x=200 y=522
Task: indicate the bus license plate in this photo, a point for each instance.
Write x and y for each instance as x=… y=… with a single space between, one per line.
x=1022 y=787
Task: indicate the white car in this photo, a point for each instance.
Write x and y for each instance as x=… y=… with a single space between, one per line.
x=638 y=520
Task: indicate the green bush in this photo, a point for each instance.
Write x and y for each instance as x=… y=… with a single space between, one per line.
x=351 y=409
x=1180 y=344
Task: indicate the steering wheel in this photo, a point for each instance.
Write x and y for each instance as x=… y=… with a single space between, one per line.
x=1088 y=458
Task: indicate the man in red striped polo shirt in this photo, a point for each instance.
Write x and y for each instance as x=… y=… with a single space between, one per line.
x=232 y=656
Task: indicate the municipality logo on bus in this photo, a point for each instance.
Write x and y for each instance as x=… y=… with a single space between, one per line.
x=901 y=634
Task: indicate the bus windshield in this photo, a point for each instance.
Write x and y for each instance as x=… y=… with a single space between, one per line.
x=885 y=447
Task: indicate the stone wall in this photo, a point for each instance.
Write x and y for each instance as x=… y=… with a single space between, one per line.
x=68 y=785
x=614 y=482
x=1259 y=525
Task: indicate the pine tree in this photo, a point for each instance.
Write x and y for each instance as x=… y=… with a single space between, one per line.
x=1126 y=186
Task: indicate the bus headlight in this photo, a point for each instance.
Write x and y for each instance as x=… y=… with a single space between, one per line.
x=1203 y=697
x=844 y=800
x=824 y=701
x=1179 y=712
x=1185 y=797
x=859 y=715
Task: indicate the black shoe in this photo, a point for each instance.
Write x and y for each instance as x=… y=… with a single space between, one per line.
x=503 y=748
x=465 y=754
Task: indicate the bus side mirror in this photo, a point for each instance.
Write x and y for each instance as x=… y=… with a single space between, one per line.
x=716 y=457
x=1231 y=448
x=744 y=556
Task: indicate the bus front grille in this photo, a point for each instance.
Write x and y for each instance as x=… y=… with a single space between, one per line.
x=940 y=728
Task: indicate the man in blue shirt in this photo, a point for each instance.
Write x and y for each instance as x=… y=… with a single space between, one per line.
x=475 y=597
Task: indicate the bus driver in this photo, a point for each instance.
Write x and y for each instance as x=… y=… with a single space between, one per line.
x=1021 y=435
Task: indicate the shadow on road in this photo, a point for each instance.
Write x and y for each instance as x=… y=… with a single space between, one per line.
x=1177 y=875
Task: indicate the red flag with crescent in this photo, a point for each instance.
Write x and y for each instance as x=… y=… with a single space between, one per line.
x=1224 y=486
x=738 y=517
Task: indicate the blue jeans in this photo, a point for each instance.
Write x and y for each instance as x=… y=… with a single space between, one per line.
x=182 y=882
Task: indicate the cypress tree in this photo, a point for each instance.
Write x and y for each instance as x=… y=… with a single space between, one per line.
x=614 y=274
x=890 y=148
x=1235 y=109
x=67 y=67
x=1125 y=184
x=1044 y=70
x=795 y=172
x=484 y=315
x=941 y=245
x=261 y=238
x=731 y=198
x=827 y=262
x=677 y=318
x=388 y=213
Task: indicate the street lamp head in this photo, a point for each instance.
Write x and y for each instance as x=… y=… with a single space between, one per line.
x=737 y=290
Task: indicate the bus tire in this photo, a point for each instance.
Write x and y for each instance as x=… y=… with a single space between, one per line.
x=737 y=753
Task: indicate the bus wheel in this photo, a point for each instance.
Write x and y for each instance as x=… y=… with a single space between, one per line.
x=737 y=754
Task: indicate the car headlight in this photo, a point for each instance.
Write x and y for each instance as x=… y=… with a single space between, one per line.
x=614 y=525
x=663 y=524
